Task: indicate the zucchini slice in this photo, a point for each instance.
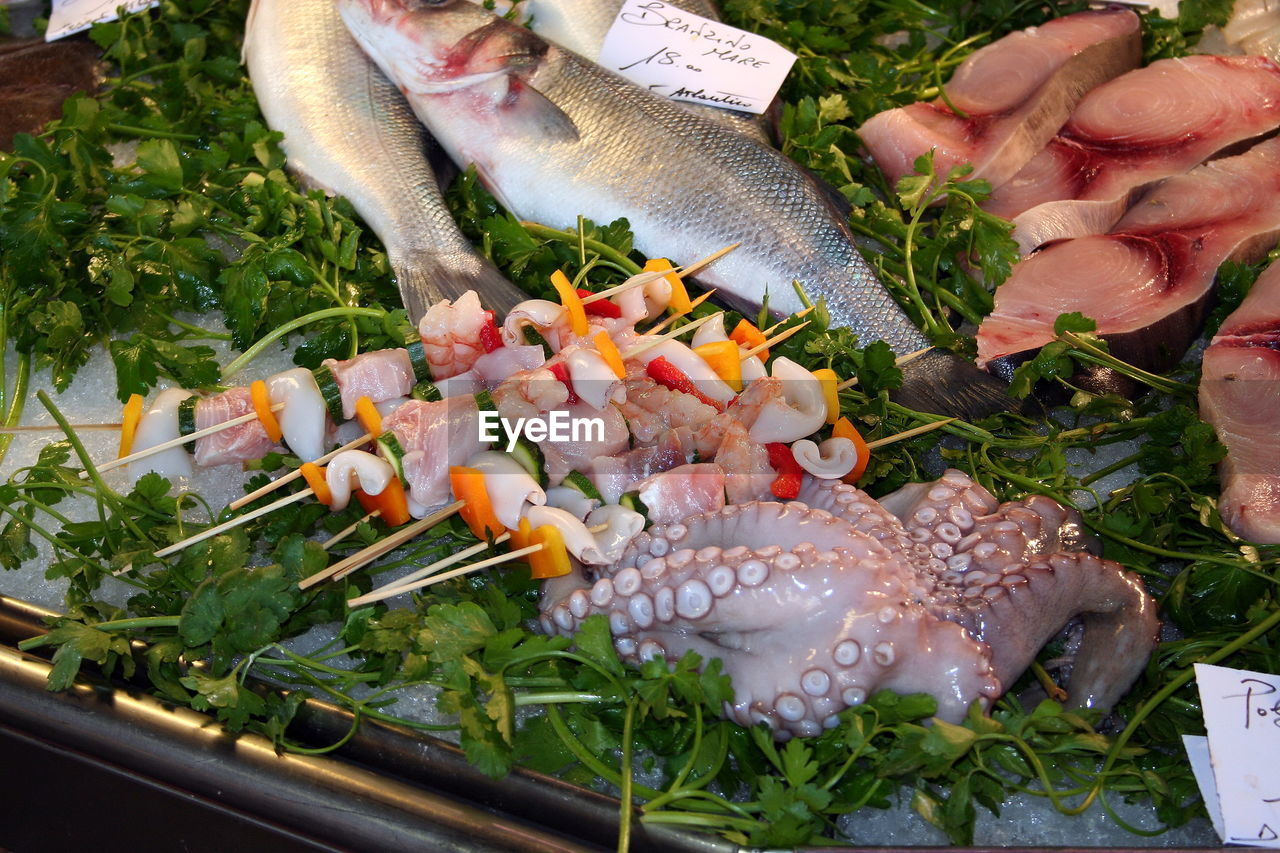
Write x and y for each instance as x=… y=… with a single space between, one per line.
x=187 y=420
x=390 y=449
x=580 y=482
x=418 y=360
x=329 y=389
x=427 y=391
x=631 y=500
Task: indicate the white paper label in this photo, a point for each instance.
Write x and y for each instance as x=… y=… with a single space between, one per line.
x=1242 y=718
x=72 y=16
x=691 y=58
x=1198 y=752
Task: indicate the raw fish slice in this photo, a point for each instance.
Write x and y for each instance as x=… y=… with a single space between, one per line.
x=1240 y=396
x=1014 y=93
x=239 y=443
x=1254 y=28
x=1141 y=127
x=1145 y=283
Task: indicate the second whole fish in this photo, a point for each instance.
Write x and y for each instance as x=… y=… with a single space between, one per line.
x=581 y=26
x=555 y=136
x=349 y=132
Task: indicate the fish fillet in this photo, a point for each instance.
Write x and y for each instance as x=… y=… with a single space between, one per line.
x=1240 y=396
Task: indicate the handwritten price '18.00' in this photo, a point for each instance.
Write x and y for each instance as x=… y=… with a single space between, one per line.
x=666 y=56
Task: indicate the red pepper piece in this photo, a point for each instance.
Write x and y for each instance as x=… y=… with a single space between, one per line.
x=786 y=486
x=561 y=372
x=490 y=338
x=601 y=307
x=668 y=375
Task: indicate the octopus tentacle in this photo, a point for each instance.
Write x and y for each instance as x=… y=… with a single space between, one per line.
x=1018 y=610
x=815 y=604
x=763 y=608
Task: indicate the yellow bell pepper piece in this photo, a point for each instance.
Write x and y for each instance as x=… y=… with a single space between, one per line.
x=828 y=379
x=679 y=303
x=552 y=560
x=609 y=352
x=129 y=420
x=725 y=359
x=571 y=301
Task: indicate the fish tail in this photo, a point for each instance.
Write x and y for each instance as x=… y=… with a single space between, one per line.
x=942 y=382
x=425 y=281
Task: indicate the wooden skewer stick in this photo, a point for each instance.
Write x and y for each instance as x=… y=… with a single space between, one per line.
x=900 y=360
x=403 y=584
x=373 y=552
x=183 y=439
x=394 y=588
x=673 y=317
x=348 y=530
x=654 y=275
x=910 y=433
x=687 y=327
x=234 y=522
x=772 y=342
x=796 y=316
x=637 y=280
x=690 y=269
x=55 y=427
x=461 y=570
x=296 y=473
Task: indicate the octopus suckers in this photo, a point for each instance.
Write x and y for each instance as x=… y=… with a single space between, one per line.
x=602 y=593
x=815 y=682
x=659 y=546
x=664 y=604
x=882 y=653
x=693 y=599
x=790 y=707
x=578 y=604
x=853 y=695
x=847 y=652
x=641 y=609
x=787 y=562
x=651 y=650
x=887 y=614
x=753 y=572
x=627 y=582
x=721 y=580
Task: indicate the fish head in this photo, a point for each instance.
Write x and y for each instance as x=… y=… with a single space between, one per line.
x=438 y=46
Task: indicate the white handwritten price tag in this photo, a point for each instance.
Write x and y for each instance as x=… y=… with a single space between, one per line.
x=690 y=58
x=1242 y=717
x=72 y=16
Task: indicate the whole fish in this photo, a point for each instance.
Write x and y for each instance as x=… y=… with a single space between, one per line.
x=349 y=131
x=581 y=26
x=554 y=136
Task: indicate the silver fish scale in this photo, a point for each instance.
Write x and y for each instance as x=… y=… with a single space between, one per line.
x=688 y=187
x=349 y=131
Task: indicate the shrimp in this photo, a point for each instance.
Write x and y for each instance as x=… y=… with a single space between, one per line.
x=451 y=334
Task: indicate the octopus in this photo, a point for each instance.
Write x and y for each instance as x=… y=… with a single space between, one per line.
x=813 y=605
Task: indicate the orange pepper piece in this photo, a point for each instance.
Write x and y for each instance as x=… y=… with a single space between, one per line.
x=477 y=510
x=314 y=475
x=828 y=379
x=749 y=337
x=552 y=559
x=609 y=352
x=368 y=416
x=262 y=408
x=845 y=429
